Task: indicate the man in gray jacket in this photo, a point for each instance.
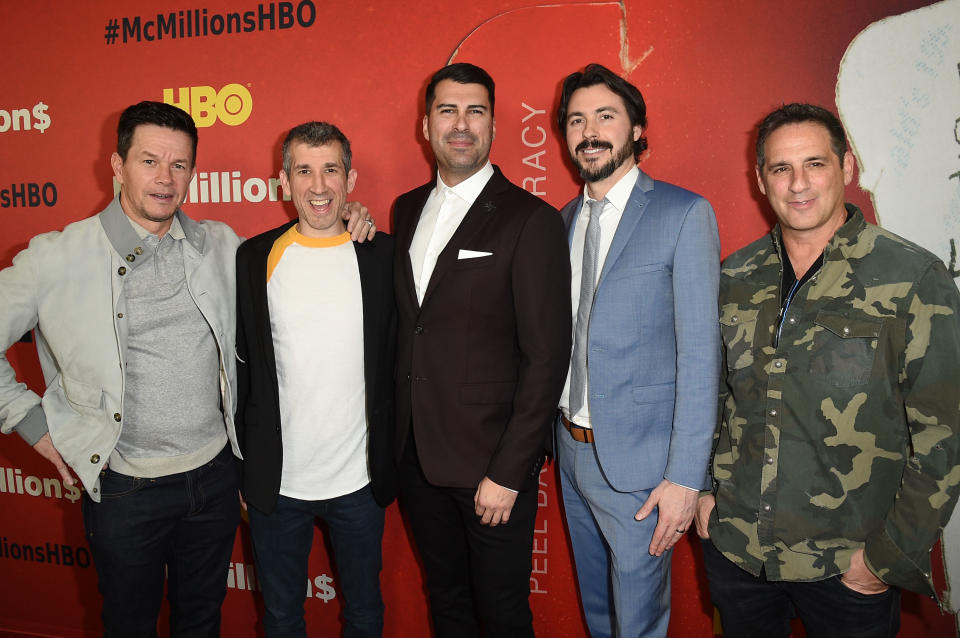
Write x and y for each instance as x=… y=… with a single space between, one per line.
x=133 y=312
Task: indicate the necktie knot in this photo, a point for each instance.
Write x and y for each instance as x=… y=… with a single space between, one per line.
x=596 y=207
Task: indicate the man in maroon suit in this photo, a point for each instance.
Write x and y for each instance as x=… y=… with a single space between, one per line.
x=483 y=293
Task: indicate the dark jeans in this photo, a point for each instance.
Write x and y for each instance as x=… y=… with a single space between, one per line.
x=478 y=576
x=754 y=606
x=181 y=526
x=281 y=547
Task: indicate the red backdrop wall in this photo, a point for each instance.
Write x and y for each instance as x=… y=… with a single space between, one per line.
x=249 y=70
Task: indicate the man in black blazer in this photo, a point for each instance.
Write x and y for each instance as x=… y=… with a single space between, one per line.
x=315 y=415
x=483 y=296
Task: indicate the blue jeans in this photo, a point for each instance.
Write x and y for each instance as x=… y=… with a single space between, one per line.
x=281 y=547
x=181 y=527
x=752 y=606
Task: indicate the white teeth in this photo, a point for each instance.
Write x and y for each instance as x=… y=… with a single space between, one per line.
x=319 y=202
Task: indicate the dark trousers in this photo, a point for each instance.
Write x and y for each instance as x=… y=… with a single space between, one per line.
x=281 y=546
x=181 y=527
x=753 y=606
x=478 y=577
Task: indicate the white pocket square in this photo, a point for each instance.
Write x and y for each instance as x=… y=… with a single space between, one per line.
x=472 y=254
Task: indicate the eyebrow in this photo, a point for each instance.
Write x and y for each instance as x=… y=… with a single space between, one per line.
x=599 y=109
x=154 y=156
x=324 y=165
x=469 y=106
x=821 y=158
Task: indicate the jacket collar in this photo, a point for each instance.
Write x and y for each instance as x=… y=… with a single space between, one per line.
x=842 y=241
x=125 y=240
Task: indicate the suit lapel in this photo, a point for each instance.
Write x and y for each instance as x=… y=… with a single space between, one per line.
x=570 y=215
x=477 y=216
x=636 y=205
x=370 y=285
x=404 y=237
x=258 y=287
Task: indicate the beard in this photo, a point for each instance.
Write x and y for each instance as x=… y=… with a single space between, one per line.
x=596 y=174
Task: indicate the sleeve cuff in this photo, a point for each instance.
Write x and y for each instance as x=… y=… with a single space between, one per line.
x=891 y=565
x=33 y=426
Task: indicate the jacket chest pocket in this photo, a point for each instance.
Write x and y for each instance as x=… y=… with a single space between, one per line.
x=844 y=347
x=738 y=327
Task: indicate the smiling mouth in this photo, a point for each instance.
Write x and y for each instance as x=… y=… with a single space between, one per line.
x=319 y=203
x=590 y=149
x=461 y=140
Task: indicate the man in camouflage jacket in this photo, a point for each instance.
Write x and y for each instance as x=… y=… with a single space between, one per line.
x=836 y=460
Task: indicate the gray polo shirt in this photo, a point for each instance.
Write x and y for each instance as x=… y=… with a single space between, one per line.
x=173 y=420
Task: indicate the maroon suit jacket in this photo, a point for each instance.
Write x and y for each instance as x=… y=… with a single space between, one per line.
x=481 y=364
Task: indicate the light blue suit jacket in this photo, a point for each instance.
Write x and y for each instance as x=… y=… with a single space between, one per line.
x=654 y=339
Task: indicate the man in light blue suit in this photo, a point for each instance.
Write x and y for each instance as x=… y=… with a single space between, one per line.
x=639 y=407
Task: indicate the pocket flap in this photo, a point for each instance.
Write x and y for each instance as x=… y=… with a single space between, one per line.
x=81 y=393
x=846 y=326
x=647 y=394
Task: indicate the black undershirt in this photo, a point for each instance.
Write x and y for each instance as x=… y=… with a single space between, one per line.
x=789 y=284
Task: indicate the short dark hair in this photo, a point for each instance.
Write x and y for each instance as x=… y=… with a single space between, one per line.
x=316 y=134
x=461 y=73
x=797 y=113
x=595 y=74
x=159 y=114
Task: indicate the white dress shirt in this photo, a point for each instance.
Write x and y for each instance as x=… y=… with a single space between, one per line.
x=442 y=214
x=617 y=199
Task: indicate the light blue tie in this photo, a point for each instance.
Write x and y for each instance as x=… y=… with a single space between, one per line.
x=588 y=288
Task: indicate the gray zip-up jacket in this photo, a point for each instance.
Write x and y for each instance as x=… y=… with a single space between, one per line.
x=68 y=286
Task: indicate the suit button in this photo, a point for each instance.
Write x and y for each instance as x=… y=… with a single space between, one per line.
x=119 y=315
x=116 y=417
x=418 y=330
x=122 y=270
x=95 y=459
x=130 y=258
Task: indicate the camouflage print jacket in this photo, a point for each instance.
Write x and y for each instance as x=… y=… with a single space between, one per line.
x=844 y=436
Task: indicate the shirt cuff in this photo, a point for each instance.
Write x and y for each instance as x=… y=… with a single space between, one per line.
x=692 y=489
x=33 y=426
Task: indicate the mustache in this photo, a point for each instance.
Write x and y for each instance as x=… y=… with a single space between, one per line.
x=584 y=145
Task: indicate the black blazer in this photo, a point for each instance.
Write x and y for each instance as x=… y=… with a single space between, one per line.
x=258 y=403
x=482 y=362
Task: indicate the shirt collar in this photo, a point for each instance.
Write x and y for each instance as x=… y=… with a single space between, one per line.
x=619 y=193
x=175 y=231
x=469 y=189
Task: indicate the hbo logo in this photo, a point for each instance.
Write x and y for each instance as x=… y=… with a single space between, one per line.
x=231 y=105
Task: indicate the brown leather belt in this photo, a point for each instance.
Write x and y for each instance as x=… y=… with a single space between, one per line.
x=580 y=434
